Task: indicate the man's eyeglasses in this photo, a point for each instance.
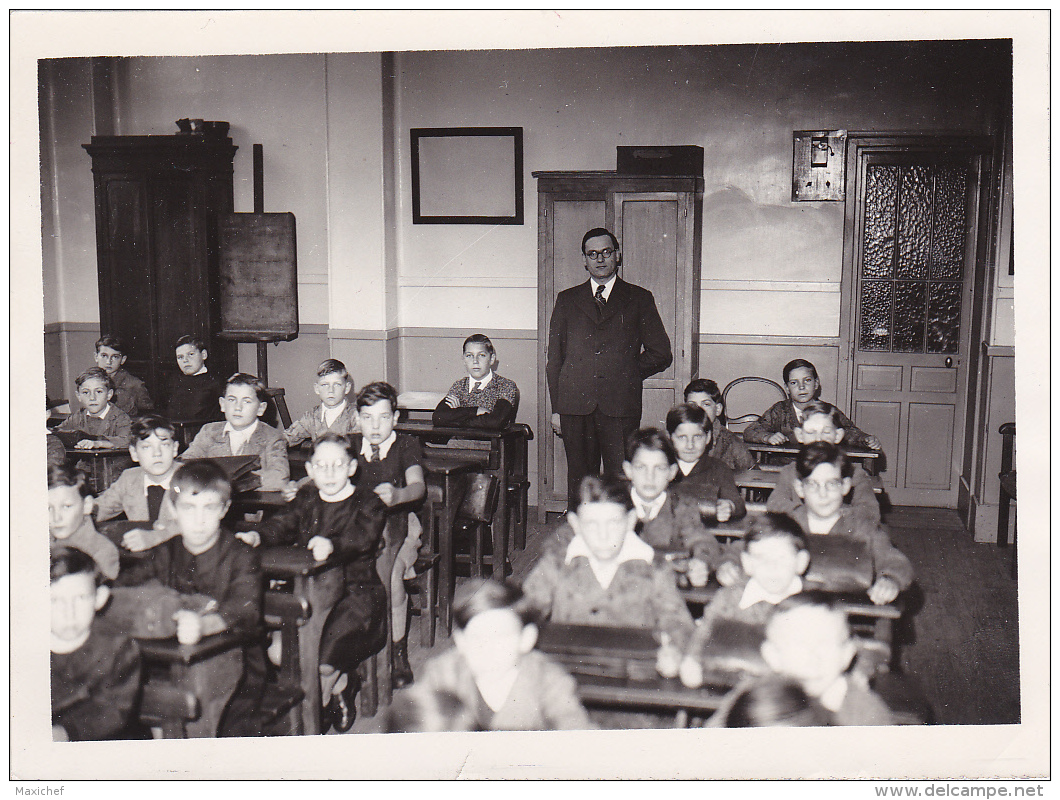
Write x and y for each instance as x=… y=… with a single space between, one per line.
x=599 y=255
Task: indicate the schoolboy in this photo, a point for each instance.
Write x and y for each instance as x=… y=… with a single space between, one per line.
x=821 y=423
x=808 y=639
x=700 y=476
x=824 y=478
x=335 y=414
x=667 y=520
x=597 y=571
x=193 y=391
x=208 y=560
x=130 y=394
x=98 y=416
x=95 y=672
x=494 y=669
x=724 y=445
x=70 y=520
x=243 y=432
x=484 y=399
x=390 y=463
x=774 y=557
x=140 y=492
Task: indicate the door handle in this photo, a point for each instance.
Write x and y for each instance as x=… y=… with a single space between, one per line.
x=949 y=361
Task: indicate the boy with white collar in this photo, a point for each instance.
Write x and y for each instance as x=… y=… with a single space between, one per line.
x=773 y=557
x=483 y=399
x=335 y=414
x=599 y=572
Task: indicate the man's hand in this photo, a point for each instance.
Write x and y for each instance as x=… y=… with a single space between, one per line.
x=698 y=572
x=555 y=425
x=189 y=626
x=321 y=547
x=253 y=538
x=777 y=438
x=725 y=509
x=883 y=591
x=386 y=492
x=728 y=573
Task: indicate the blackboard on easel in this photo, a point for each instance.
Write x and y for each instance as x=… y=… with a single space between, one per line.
x=259 y=277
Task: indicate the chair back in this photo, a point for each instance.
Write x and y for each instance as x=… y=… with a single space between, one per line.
x=747 y=398
x=276 y=413
x=480 y=501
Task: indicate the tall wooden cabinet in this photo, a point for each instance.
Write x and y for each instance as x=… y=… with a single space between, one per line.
x=659 y=222
x=158 y=199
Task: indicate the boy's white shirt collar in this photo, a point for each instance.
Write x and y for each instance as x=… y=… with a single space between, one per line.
x=202 y=371
x=817 y=525
x=754 y=592
x=482 y=383
x=239 y=438
x=384 y=446
x=832 y=698
x=633 y=549
x=329 y=415
x=645 y=510
x=495 y=691
x=686 y=466
x=341 y=495
x=151 y=480
x=608 y=285
x=102 y=414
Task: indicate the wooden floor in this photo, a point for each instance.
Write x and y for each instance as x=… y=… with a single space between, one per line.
x=959 y=642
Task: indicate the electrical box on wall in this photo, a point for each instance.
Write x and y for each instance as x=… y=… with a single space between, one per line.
x=818 y=168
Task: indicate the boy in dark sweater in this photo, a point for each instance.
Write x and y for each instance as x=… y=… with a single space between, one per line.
x=130 y=394
x=192 y=393
x=95 y=672
x=483 y=399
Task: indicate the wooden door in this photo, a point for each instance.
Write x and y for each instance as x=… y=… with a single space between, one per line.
x=914 y=248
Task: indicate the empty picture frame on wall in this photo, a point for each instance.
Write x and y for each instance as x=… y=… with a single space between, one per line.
x=467 y=176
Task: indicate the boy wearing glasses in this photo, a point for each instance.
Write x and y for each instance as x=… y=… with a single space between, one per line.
x=605 y=337
x=823 y=479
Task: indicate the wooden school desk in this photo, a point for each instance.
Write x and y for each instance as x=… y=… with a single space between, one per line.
x=105 y=465
x=170 y=701
x=614 y=667
x=774 y=455
x=756 y=484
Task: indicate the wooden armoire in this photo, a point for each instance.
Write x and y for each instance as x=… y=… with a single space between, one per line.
x=158 y=199
x=658 y=221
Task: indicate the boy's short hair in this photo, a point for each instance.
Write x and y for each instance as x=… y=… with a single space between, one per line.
x=775 y=702
x=703 y=386
x=775 y=526
x=814 y=598
x=99 y=374
x=331 y=437
x=821 y=407
x=607 y=489
x=144 y=427
x=599 y=232
x=376 y=391
x=71 y=561
x=113 y=342
x=479 y=338
x=480 y=595
x=332 y=366
x=66 y=474
x=813 y=455
x=650 y=439
x=798 y=363
x=685 y=412
x=195 y=341
x=245 y=379
x=202 y=475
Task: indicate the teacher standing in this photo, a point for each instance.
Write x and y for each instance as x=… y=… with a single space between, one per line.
x=605 y=337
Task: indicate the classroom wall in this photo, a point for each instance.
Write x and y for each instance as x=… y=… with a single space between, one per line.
x=390 y=298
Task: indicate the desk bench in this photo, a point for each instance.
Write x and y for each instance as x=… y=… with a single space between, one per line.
x=756 y=484
x=779 y=454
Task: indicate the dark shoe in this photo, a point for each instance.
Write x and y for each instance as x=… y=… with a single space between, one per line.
x=425 y=562
x=400 y=671
x=343 y=706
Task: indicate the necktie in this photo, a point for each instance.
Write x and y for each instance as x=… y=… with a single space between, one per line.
x=474 y=387
x=155 y=493
x=375 y=453
x=601 y=301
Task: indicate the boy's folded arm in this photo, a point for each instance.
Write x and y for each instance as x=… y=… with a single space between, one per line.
x=497 y=419
x=728 y=490
x=445 y=416
x=673 y=617
x=242 y=602
x=275 y=469
x=889 y=561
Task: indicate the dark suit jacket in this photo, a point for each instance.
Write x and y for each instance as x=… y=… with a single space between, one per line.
x=600 y=360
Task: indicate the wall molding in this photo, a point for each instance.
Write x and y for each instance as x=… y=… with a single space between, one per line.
x=500 y=334
x=999 y=350
x=467 y=281
x=795 y=341
x=712 y=285
x=71 y=327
